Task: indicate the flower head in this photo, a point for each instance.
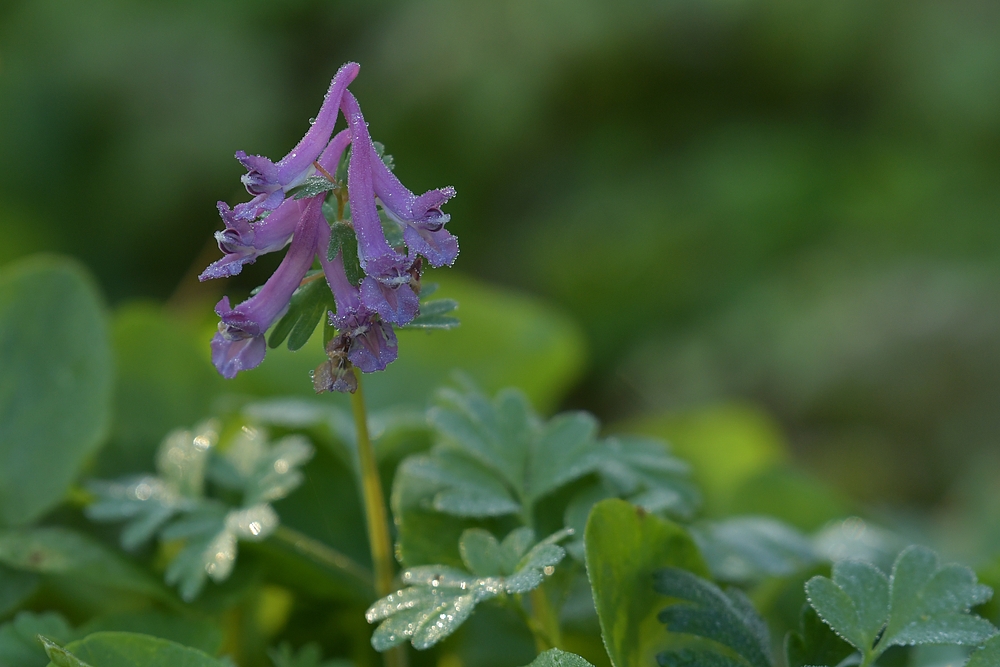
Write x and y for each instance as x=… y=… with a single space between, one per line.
x=367 y=309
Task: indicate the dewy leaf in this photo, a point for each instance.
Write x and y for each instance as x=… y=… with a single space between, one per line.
x=55 y=383
x=147 y=503
x=986 y=656
x=312 y=186
x=60 y=656
x=922 y=603
x=308 y=305
x=815 y=644
x=929 y=603
x=441 y=598
x=19 y=646
x=556 y=658
x=705 y=611
x=625 y=545
x=855 y=602
x=481 y=553
x=749 y=549
x=128 y=649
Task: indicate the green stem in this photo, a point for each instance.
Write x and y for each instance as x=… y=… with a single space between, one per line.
x=545 y=616
x=325 y=555
x=379 y=540
x=543 y=641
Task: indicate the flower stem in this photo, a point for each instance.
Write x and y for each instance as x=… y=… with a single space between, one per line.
x=545 y=616
x=377 y=515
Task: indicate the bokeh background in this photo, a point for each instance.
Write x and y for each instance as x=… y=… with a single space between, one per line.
x=769 y=222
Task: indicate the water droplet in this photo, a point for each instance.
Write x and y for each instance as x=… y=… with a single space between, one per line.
x=281 y=466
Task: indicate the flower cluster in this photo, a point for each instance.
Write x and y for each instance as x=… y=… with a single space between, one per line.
x=366 y=310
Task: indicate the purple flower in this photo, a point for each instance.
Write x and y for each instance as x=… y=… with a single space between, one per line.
x=269 y=181
x=420 y=217
x=242 y=241
x=387 y=294
x=239 y=344
x=365 y=340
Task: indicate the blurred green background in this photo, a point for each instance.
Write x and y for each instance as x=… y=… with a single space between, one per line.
x=767 y=208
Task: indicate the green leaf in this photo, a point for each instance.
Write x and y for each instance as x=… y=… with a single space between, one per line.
x=19 y=646
x=147 y=503
x=440 y=598
x=930 y=602
x=705 y=611
x=15 y=588
x=625 y=545
x=387 y=159
x=855 y=602
x=197 y=632
x=493 y=459
x=922 y=603
x=309 y=655
x=343 y=239
x=62 y=553
x=533 y=457
x=750 y=549
x=154 y=392
x=262 y=470
x=60 y=656
x=642 y=471
x=314 y=185
x=434 y=315
x=481 y=553
x=815 y=643
x=986 y=656
x=128 y=649
x=308 y=305
x=55 y=387
x=556 y=658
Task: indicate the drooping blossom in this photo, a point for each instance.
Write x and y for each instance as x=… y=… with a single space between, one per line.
x=239 y=344
x=269 y=181
x=387 y=293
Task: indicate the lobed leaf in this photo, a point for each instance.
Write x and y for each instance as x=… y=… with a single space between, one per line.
x=750 y=549
x=815 y=643
x=988 y=655
x=922 y=602
x=855 y=602
x=440 y=598
x=726 y=618
x=556 y=658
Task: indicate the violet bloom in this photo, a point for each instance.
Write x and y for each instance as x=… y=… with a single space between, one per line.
x=386 y=290
x=269 y=181
x=243 y=241
x=239 y=344
x=364 y=339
